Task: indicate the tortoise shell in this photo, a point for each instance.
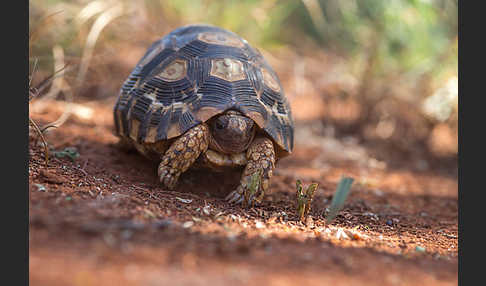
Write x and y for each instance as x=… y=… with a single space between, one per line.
x=194 y=73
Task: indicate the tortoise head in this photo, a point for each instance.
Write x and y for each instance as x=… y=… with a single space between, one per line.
x=231 y=132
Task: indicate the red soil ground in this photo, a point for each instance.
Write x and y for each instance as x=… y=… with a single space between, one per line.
x=103 y=219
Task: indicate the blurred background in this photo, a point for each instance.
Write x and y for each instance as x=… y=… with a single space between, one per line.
x=380 y=73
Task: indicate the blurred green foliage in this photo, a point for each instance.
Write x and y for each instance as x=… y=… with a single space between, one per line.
x=390 y=48
x=404 y=34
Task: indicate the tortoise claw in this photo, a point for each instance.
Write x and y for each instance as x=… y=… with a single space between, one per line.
x=168 y=177
x=233 y=197
x=239 y=200
x=238 y=196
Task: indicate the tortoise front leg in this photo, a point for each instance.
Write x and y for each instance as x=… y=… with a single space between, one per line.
x=182 y=154
x=261 y=162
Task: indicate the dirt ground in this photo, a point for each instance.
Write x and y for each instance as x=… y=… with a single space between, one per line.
x=102 y=218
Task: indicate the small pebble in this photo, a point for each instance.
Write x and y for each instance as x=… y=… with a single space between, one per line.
x=259 y=224
x=187 y=224
x=40 y=188
x=186 y=201
x=340 y=234
x=419 y=249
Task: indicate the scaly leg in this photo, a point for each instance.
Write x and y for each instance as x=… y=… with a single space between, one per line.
x=261 y=160
x=182 y=154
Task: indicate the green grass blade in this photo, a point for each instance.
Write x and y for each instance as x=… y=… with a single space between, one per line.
x=298 y=185
x=253 y=187
x=342 y=192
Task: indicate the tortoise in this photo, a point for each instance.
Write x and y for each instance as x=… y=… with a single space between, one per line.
x=202 y=96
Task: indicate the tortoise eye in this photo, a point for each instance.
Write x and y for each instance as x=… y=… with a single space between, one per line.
x=220 y=124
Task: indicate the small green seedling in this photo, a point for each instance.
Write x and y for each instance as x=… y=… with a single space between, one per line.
x=304 y=199
x=342 y=192
x=70 y=152
x=253 y=188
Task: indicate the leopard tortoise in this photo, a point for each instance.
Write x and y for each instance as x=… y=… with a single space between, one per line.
x=202 y=96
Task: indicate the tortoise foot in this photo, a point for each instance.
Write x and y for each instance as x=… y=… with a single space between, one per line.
x=182 y=154
x=256 y=176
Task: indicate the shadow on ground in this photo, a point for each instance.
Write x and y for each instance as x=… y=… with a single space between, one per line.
x=104 y=219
